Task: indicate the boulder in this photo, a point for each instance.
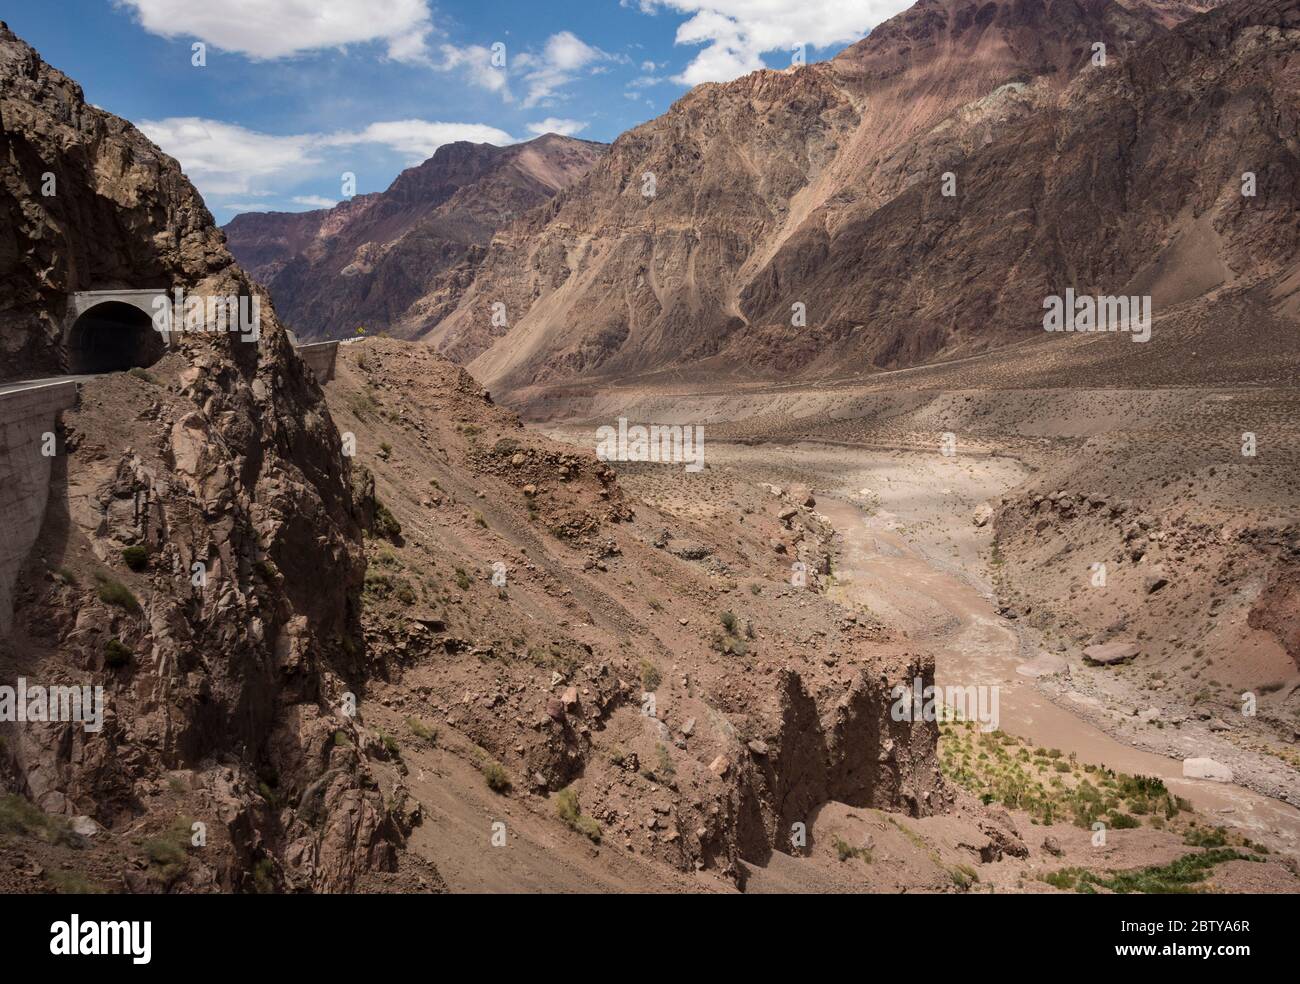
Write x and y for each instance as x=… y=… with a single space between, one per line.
x=1206 y=768
x=1110 y=653
x=1154 y=581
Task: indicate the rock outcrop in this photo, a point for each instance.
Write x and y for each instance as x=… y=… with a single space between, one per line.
x=86 y=203
x=201 y=555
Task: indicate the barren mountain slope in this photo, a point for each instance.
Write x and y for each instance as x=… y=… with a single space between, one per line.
x=597 y=602
x=1129 y=182
x=392 y=261
x=527 y=608
x=761 y=183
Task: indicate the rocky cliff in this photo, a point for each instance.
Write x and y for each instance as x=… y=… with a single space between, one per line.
x=86 y=203
x=201 y=554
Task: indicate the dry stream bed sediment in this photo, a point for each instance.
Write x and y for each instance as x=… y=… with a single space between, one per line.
x=911 y=555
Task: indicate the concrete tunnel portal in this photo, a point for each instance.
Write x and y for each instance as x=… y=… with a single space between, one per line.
x=112 y=331
x=113 y=337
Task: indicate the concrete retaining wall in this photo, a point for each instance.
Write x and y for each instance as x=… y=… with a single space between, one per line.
x=320 y=357
x=26 y=416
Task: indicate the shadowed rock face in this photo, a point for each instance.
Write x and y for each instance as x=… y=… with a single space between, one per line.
x=823 y=185
x=397 y=260
x=846 y=747
x=228 y=459
x=66 y=168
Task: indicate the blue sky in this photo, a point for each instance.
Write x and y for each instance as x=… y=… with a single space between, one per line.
x=294 y=93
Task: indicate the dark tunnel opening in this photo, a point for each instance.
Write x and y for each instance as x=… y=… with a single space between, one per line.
x=112 y=337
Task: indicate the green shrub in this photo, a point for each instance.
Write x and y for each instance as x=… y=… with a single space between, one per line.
x=136 y=558
x=23 y=818
x=570 y=812
x=116 y=593
x=381 y=585
x=168 y=852
x=963 y=876
x=72 y=883
x=497 y=779
x=264 y=876
x=422 y=730
x=650 y=676
x=386 y=524
x=845 y=850
x=117 y=655
x=1202 y=837
x=1179 y=877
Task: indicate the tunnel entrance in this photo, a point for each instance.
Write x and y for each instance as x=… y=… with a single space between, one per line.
x=111 y=337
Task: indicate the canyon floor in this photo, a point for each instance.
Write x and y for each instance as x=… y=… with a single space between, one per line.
x=974 y=519
x=523 y=600
x=932 y=549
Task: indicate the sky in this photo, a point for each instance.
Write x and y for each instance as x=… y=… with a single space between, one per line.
x=269 y=105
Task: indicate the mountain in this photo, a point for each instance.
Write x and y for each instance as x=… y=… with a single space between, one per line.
x=201 y=554
x=822 y=185
x=271 y=617
x=394 y=261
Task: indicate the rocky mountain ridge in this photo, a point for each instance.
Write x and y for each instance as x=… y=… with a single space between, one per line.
x=798 y=220
x=393 y=261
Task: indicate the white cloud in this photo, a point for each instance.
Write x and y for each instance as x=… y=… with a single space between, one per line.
x=646 y=81
x=476 y=62
x=264 y=29
x=541 y=75
x=552 y=124
x=734 y=34
x=225 y=159
x=418 y=139
x=567 y=52
x=564 y=56
x=314 y=201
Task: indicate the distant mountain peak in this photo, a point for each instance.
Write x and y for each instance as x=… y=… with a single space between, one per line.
x=391 y=260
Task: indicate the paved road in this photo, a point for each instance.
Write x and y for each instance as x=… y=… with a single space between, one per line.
x=29 y=383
